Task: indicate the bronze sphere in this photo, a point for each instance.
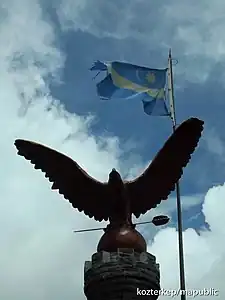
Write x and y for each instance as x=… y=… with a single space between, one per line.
x=123 y=237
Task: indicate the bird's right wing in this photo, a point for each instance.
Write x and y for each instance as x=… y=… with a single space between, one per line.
x=83 y=192
x=160 y=178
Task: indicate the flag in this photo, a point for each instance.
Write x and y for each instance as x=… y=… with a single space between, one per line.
x=126 y=81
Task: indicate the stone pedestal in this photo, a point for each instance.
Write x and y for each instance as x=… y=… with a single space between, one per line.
x=124 y=274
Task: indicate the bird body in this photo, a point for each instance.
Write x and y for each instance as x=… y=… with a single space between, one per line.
x=118 y=195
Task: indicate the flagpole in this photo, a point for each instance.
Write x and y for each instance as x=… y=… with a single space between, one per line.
x=179 y=209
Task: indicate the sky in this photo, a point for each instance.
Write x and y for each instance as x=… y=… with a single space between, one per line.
x=47 y=95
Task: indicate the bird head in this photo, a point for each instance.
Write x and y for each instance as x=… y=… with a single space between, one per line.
x=114 y=176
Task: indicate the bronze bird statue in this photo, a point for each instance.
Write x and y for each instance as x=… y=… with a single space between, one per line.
x=116 y=200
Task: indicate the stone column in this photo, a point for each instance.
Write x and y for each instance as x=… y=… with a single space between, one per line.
x=124 y=274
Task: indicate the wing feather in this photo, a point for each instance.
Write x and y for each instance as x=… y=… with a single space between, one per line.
x=83 y=192
x=160 y=178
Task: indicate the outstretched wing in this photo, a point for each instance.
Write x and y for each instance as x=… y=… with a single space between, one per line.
x=83 y=192
x=160 y=178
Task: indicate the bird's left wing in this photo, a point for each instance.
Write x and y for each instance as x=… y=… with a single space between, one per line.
x=83 y=192
x=160 y=178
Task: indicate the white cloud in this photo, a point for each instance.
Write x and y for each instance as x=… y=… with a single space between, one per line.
x=215 y=144
x=204 y=253
x=193 y=29
x=40 y=257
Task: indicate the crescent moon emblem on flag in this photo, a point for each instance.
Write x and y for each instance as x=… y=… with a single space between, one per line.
x=138 y=76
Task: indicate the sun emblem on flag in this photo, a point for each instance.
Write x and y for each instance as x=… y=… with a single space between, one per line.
x=150 y=77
